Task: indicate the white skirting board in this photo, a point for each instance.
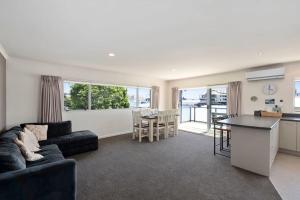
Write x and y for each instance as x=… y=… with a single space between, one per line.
x=111 y=135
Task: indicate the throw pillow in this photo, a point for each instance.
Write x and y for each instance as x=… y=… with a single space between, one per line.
x=40 y=131
x=29 y=155
x=29 y=140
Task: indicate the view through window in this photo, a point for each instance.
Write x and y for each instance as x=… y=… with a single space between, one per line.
x=87 y=96
x=76 y=96
x=219 y=100
x=194 y=100
x=194 y=103
x=297 y=95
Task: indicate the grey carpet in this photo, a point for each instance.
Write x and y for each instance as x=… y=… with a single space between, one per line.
x=179 y=168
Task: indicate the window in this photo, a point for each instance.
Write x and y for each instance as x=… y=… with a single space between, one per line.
x=139 y=97
x=194 y=103
x=297 y=95
x=106 y=97
x=219 y=100
x=144 y=95
x=76 y=96
x=87 y=96
x=132 y=96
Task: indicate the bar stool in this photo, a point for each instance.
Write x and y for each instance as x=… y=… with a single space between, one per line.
x=222 y=128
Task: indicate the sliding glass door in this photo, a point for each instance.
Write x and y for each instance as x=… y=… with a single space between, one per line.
x=199 y=105
x=218 y=100
x=194 y=109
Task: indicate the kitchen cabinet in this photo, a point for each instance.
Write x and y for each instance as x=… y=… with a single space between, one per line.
x=274 y=143
x=254 y=142
x=288 y=135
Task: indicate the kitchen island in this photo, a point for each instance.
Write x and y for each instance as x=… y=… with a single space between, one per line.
x=254 y=142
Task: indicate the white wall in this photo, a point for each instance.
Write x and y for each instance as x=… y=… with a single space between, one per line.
x=2 y=92
x=23 y=78
x=255 y=88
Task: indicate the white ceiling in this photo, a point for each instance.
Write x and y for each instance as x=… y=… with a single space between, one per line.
x=168 y=39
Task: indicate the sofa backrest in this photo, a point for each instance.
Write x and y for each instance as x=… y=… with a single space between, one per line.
x=55 y=129
x=11 y=157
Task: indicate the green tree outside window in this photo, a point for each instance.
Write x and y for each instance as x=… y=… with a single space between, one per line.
x=102 y=97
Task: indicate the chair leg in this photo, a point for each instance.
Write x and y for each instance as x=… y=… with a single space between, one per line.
x=227 y=138
x=157 y=134
x=173 y=131
x=140 y=135
x=214 y=141
x=221 y=140
x=166 y=132
x=133 y=134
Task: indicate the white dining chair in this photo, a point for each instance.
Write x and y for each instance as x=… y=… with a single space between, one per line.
x=140 y=129
x=149 y=111
x=160 y=126
x=172 y=125
x=145 y=111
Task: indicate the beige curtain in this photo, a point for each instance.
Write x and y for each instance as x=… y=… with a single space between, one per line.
x=155 y=97
x=50 y=99
x=234 y=98
x=175 y=98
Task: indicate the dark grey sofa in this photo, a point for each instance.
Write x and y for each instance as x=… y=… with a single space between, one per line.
x=52 y=177
x=69 y=142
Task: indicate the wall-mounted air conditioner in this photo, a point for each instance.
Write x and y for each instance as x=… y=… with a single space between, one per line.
x=275 y=73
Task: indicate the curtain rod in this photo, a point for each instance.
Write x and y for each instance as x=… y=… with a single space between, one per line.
x=224 y=83
x=212 y=85
x=104 y=84
x=200 y=87
x=218 y=84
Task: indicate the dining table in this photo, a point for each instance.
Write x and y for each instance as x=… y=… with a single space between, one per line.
x=151 y=119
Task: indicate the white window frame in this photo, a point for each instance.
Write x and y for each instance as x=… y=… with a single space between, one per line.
x=296 y=109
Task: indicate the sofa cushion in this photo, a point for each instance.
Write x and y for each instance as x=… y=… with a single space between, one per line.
x=10 y=134
x=55 y=129
x=11 y=157
x=29 y=140
x=40 y=131
x=28 y=155
x=51 y=154
x=75 y=140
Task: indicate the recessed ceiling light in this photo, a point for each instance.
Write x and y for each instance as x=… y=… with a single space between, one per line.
x=111 y=54
x=260 y=53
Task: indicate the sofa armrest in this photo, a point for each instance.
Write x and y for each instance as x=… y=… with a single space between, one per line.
x=55 y=180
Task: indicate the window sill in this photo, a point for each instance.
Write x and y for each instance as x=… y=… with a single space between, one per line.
x=297 y=110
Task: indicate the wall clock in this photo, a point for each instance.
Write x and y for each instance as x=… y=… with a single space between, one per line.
x=270 y=89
